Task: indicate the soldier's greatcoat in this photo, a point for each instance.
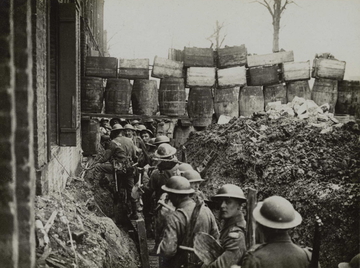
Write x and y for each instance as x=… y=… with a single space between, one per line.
x=279 y=252
x=232 y=239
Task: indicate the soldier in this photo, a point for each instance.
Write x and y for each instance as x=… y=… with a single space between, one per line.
x=166 y=167
x=232 y=236
x=161 y=139
x=275 y=216
x=141 y=148
x=121 y=156
x=354 y=263
x=195 y=179
x=105 y=130
x=182 y=225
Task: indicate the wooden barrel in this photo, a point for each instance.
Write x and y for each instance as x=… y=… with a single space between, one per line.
x=172 y=100
x=275 y=93
x=117 y=96
x=348 y=97
x=92 y=94
x=251 y=100
x=226 y=101
x=90 y=136
x=200 y=106
x=325 y=91
x=298 y=88
x=144 y=97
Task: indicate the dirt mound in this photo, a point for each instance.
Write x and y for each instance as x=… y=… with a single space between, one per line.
x=314 y=164
x=95 y=240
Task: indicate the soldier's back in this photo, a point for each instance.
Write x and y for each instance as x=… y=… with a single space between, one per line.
x=281 y=254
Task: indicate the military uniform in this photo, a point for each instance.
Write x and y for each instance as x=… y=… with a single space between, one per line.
x=232 y=239
x=279 y=252
x=175 y=232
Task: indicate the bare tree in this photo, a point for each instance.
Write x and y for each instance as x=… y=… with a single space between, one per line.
x=276 y=10
x=216 y=36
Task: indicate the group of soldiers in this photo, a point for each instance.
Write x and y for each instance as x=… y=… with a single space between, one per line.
x=173 y=201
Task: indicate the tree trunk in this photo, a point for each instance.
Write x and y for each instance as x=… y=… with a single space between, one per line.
x=276 y=35
x=276 y=24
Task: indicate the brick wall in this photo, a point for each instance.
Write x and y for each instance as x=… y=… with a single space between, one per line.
x=39 y=27
x=8 y=213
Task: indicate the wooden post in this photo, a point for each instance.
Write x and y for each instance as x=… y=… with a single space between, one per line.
x=251 y=225
x=144 y=253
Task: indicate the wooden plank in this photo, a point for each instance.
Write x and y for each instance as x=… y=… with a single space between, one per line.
x=200 y=77
x=144 y=252
x=134 y=68
x=251 y=224
x=230 y=77
x=293 y=71
x=269 y=59
x=167 y=68
x=132 y=116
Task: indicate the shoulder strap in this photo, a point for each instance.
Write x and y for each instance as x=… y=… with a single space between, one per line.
x=189 y=234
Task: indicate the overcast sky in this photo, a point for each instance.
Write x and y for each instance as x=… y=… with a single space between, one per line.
x=146 y=28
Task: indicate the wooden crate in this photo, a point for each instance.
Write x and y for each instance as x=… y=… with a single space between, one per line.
x=198 y=57
x=105 y=67
x=230 y=77
x=200 y=77
x=328 y=68
x=167 y=68
x=232 y=56
x=264 y=75
x=293 y=71
x=134 y=68
x=270 y=59
x=176 y=54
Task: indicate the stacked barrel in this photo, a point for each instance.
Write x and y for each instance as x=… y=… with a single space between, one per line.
x=327 y=71
x=97 y=69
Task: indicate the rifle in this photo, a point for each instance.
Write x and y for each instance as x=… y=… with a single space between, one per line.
x=314 y=263
x=115 y=177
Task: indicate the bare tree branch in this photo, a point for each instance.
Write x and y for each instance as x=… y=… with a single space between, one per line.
x=267 y=6
x=287 y=2
x=222 y=40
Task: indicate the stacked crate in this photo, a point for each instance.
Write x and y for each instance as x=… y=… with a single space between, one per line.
x=97 y=69
x=231 y=76
x=327 y=71
x=266 y=71
x=200 y=72
x=171 y=94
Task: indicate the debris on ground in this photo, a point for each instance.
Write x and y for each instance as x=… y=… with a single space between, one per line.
x=73 y=231
x=311 y=160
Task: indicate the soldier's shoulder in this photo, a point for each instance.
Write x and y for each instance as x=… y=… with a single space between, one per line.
x=236 y=232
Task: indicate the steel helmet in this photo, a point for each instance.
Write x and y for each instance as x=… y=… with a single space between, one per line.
x=148 y=131
x=192 y=176
x=151 y=142
x=128 y=126
x=178 y=185
x=165 y=150
x=276 y=212
x=354 y=263
x=113 y=121
x=184 y=167
x=161 y=139
x=135 y=122
x=140 y=127
x=116 y=127
x=230 y=190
